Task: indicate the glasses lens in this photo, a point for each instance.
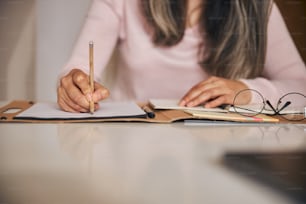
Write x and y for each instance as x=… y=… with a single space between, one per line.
x=250 y=109
x=292 y=106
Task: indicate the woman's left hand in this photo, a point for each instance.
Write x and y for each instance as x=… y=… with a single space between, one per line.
x=213 y=92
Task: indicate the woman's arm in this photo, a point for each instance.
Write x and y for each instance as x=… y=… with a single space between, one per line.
x=284 y=69
x=284 y=72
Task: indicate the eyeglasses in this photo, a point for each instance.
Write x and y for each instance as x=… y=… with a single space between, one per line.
x=291 y=106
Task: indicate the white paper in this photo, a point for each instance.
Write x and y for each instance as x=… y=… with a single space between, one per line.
x=173 y=104
x=258 y=109
x=107 y=110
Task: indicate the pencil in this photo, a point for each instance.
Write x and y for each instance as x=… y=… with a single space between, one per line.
x=91 y=75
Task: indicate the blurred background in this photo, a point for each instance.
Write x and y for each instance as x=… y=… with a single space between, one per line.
x=37 y=37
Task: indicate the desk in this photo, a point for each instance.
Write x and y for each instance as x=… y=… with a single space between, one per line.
x=134 y=162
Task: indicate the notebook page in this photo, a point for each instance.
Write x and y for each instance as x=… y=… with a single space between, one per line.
x=107 y=110
x=173 y=104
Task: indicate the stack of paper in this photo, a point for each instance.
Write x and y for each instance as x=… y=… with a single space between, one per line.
x=172 y=104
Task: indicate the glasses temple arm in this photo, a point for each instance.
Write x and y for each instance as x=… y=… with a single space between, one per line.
x=270 y=105
x=279 y=110
x=284 y=106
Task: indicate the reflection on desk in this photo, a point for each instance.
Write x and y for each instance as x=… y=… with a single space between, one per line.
x=134 y=162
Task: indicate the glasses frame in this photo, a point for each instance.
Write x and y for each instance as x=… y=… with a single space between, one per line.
x=265 y=102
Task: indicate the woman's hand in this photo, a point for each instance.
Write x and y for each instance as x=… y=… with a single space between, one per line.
x=74 y=93
x=214 y=92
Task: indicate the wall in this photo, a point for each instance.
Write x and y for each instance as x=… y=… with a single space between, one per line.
x=294 y=13
x=36 y=38
x=17 y=49
x=58 y=25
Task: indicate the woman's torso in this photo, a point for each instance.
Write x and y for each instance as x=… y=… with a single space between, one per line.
x=146 y=71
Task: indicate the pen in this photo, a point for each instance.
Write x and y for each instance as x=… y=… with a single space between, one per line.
x=91 y=76
x=150 y=113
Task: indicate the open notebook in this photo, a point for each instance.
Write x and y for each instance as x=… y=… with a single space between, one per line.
x=118 y=111
x=209 y=113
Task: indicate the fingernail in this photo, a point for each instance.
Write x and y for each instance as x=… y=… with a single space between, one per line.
x=83 y=110
x=190 y=104
x=182 y=103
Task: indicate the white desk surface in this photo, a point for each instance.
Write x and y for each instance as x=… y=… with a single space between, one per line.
x=135 y=163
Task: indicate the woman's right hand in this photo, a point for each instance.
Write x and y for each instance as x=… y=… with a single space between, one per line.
x=74 y=93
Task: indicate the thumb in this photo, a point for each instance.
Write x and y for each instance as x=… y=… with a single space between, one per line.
x=100 y=93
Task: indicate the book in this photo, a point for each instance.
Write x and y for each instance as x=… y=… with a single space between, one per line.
x=230 y=116
x=254 y=108
x=172 y=104
x=199 y=112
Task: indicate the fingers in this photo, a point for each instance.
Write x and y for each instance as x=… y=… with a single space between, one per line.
x=100 y=92
x=218 y=101
x=66 y=104
x=213 y=92
x=80 y=81
x=210 y=98
x=72 y=84
x=200 y=93
x=74 y=92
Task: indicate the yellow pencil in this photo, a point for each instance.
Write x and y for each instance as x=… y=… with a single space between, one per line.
x=91 y=75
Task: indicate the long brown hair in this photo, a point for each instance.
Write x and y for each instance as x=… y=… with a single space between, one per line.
x=234 y=32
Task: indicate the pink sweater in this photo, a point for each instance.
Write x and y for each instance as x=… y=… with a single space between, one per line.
x=145 y=71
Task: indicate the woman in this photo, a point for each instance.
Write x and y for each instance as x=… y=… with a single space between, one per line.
x=199 y=51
